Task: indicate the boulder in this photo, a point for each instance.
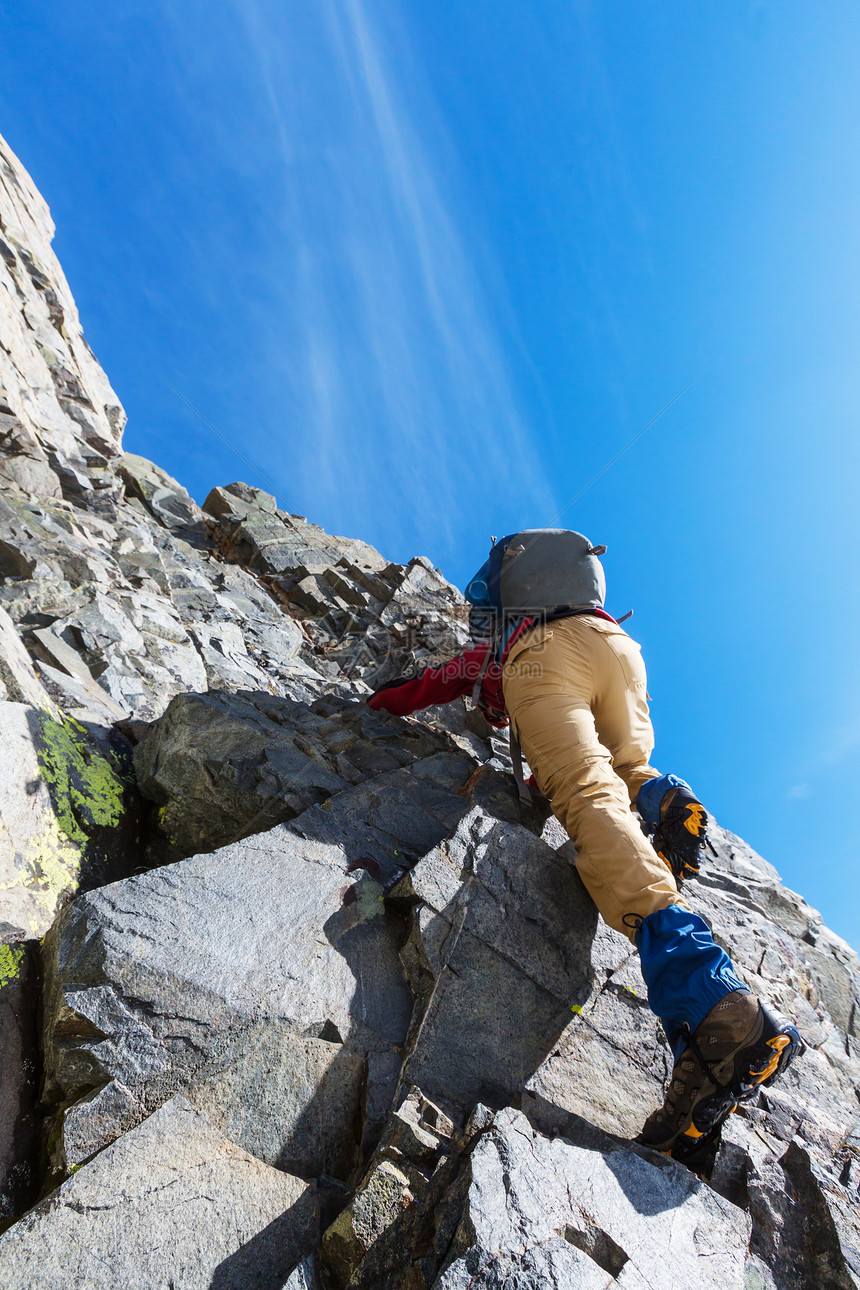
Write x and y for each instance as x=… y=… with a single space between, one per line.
x=501 y=956
x=171 y=1203
x=69 y=809
x=547 y=1214
x=221 y=766
x=163 y=981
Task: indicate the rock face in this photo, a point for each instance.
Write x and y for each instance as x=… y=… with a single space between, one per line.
x=371 y=618
x=555 y=1214
x=20 y=1124
x=226 y=765
x=320 y=1005
x=69 y=815
x=502 y=952
x=60 y=421
x=171 y=1204
x=153 y=983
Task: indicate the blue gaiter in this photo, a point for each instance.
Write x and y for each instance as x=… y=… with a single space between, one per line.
x=685 y=971
x=651 y=794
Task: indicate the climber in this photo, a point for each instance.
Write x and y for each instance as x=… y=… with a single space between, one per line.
x=572 y=683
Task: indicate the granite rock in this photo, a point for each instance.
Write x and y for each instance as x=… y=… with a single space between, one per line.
x=171 y=1203
x=154 y=983
x=544 y=1213
x=806 y=1224
x=500 y=956
x=221 y=766
x=69 y=812
x=61 y=421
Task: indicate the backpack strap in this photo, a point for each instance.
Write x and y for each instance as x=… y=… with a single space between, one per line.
x=476 y=688
x=523 y=789
x=525 y=794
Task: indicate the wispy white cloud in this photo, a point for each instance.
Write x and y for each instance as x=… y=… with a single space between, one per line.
x=843 y=740
x=392 y=351
x=836 y=746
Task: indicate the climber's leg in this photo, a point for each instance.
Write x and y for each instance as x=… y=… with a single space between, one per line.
x=620 y=704
x=547 y=685
x=550 y=683
x=619 y=701
x=727 y=1043
x=684 y=969
x=577 y=701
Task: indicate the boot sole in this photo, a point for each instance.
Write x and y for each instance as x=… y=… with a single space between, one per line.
x=761 y=1067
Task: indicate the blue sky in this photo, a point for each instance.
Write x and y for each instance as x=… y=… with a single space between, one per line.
x=431 y=265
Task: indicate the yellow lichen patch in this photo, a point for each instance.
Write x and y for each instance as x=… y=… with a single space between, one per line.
x=11 y=958
x=86 y=791
x=164 y=817
x=52 y=864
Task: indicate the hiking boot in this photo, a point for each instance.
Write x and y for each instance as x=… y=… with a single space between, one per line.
x=679 y=839
x=740 y=1046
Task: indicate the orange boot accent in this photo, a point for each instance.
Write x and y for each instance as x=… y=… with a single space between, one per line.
x=778 y=1043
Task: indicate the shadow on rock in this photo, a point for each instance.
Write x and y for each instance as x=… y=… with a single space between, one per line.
x=499 y=957
x=381 y=1003
x=264 y=1262
x=20 y=1073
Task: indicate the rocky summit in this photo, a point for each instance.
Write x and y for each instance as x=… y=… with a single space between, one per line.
x=297 y=995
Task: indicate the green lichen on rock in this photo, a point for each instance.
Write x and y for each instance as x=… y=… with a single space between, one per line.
x=85 y=801
x=86 y=789
x=55 y=863
x=11 y=959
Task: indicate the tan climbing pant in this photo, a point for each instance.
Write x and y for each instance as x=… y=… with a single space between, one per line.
x=575 y=691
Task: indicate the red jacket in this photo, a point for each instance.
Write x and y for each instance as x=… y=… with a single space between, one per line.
x=442 y=684
x=453 y=679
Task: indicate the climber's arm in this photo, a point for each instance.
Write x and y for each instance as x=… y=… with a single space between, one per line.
x=435 y=685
